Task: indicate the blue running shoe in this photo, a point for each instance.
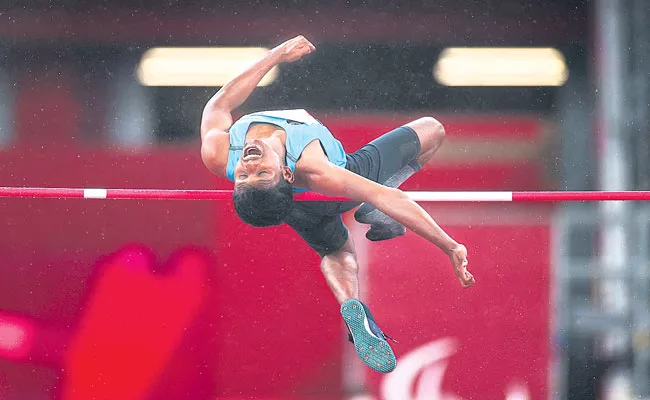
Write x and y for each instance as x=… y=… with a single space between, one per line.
x=369 y=341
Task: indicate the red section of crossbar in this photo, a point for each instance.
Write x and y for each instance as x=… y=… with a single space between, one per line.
x=29 y=192
x=581 y=196
x=165 y=194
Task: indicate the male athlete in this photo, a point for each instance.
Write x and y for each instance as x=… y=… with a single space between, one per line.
x=270 y=154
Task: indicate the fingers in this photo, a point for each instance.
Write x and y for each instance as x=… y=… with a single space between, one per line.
x=306 y=48
x=468 y=284
x=302 y=41
x=468 y=280
x=310 y=45
x=464 y=276
x=294 y=49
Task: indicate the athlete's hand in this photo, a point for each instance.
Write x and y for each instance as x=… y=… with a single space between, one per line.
x=293 y=49
x=458 y=258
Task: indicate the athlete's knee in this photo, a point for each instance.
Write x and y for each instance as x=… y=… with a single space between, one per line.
x=343 y=260
x=430 y=132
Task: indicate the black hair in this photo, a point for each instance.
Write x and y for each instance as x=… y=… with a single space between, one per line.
x=263 y=206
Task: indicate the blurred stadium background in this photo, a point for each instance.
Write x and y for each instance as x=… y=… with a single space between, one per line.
x=179 y=300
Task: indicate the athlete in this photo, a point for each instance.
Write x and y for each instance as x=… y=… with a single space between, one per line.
x=271 y=154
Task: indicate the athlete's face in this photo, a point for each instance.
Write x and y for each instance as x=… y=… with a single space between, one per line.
x=260 y=165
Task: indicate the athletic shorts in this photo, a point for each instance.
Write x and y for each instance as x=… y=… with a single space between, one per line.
x=320 y=223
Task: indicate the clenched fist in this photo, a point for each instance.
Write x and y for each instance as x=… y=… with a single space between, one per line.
x=294 y=49
x=458 y=258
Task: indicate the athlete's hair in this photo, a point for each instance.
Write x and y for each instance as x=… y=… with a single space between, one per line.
x=263 y=206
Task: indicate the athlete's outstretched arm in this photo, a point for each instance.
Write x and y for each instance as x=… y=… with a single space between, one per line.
x=332 y=180
x=216 y=114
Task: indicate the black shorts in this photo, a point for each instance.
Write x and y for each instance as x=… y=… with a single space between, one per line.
x=320 y=222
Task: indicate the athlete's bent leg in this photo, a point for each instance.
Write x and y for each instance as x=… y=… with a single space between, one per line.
x=430 y=134
x=341 y=271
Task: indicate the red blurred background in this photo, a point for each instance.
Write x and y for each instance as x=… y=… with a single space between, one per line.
x=179 y=300
x=263 y=322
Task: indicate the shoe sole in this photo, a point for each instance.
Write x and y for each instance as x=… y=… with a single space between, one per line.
x=373 y=351
x=374 y=234
x=367 y=214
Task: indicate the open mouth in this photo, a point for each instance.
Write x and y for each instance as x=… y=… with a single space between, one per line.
x=252 y=152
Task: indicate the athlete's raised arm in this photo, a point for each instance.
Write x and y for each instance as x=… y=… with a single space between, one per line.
x=216 y=114
x=217 y=117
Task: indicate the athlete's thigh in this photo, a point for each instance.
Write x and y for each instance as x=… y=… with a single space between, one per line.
x=384 y=156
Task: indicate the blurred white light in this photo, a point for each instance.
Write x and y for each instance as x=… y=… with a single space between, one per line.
x=198 y=66
x=493 y=66
x=15 y=336
x=12 y=336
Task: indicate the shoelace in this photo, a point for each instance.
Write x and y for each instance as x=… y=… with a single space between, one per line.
x=388 y=337
x=385 y=337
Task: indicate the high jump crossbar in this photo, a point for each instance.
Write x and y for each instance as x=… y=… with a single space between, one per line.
x=420 y=196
